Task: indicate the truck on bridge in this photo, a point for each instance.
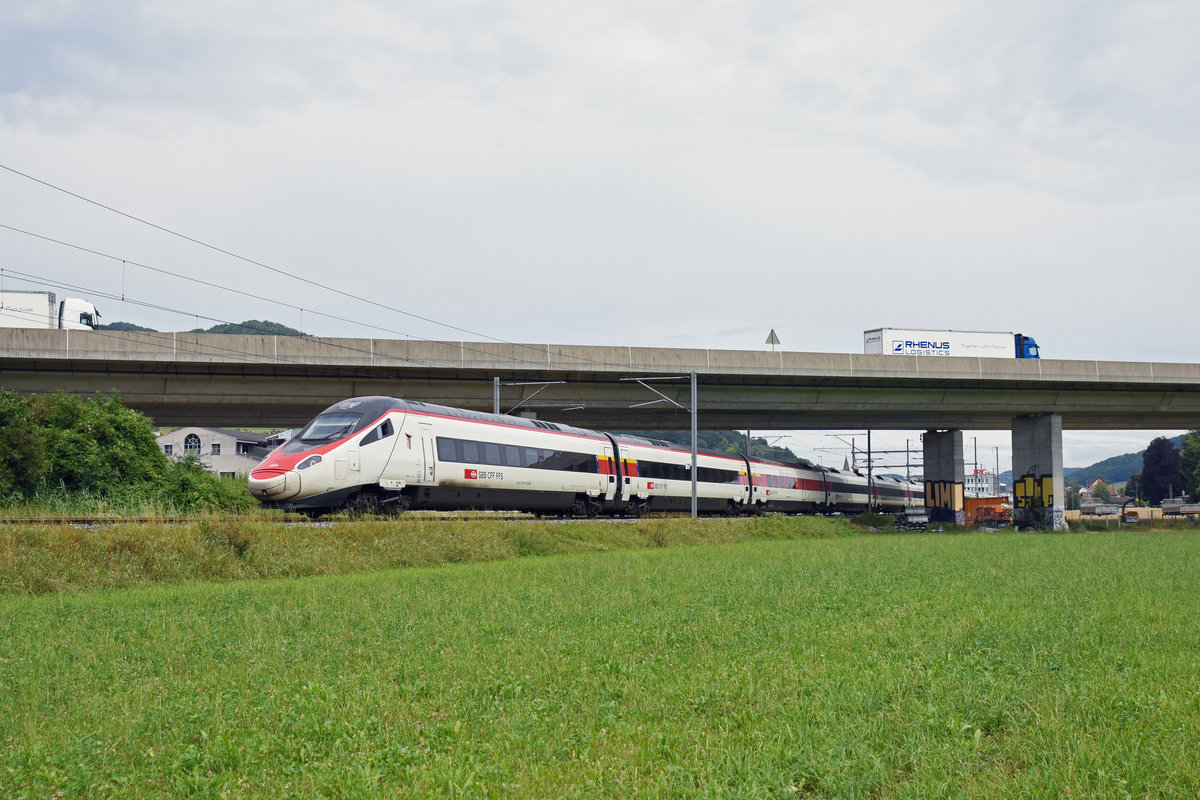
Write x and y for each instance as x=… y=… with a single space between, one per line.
x=925 y=342
x=44 y=310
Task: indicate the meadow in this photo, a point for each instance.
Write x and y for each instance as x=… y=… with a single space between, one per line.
x=752 y=664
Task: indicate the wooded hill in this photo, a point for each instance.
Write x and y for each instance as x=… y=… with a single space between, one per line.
x=1115 y=469
x=253 y=327
x=726 y=442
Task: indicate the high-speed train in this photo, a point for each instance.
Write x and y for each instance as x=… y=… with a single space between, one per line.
x=382 y=454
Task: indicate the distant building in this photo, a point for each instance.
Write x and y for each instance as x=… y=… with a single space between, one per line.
x=1088 y=493
x=981 y=483
x=221 y=451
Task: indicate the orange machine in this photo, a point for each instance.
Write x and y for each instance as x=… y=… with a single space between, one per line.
x=992 y=512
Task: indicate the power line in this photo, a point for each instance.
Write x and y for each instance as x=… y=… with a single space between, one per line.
x=39 y=281
x=221 y=287
x=210 y=284
x=247 y=260
x=145 y=304
x=169 y=342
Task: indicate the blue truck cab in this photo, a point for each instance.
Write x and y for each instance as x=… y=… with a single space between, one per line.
x=1026 y=346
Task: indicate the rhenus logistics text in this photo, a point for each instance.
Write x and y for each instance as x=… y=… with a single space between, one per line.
x=921 y=348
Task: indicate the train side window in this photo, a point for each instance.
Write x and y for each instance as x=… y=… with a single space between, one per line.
x=531 y=457
x=446 y=449
x=491 y=454
x=471 y=452
x=512 y=456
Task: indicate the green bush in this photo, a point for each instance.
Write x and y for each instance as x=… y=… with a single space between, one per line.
x=69 y=453
x=184 y=485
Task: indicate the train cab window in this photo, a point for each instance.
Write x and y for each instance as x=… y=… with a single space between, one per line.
x=328 y=427
x=381 y=432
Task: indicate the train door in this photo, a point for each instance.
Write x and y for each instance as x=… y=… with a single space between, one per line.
x=614 y=479
x=744 y=481
x=375 y=451
x=427 y=453
x=620 y=492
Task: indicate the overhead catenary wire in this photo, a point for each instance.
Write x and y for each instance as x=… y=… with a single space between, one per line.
x=39 y=281
x=252 y=261
x=466 y=347
x=129 y=262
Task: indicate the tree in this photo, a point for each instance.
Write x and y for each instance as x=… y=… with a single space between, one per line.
x=1072 y=499
x=255 y=327
x=22 y=459
x=1189 y=465
x=1102 y=493
x=1160 y=471
x=726 y=442
x=125 y=326
x=97 y=448
x=1133 y=486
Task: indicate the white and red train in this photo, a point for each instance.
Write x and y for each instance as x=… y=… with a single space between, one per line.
x=386 y=454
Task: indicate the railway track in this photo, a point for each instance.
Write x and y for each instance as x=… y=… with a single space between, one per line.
x=299 y=519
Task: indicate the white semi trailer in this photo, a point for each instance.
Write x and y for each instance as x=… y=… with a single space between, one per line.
x=926 y=342
x=44 y=310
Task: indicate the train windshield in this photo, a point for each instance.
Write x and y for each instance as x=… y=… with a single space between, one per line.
x=329 y=427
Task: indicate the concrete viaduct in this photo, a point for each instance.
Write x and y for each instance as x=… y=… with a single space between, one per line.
x=267 y=381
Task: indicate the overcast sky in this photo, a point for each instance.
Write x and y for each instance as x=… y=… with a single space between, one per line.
x=632 y=173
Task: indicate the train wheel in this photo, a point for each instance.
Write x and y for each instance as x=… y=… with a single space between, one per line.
x=363 y=503
x=585 y=507
x=397 y=506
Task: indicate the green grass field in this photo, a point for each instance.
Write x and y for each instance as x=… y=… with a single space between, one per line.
x=1002 y=665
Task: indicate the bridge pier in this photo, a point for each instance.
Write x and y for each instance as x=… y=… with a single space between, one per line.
x=1038 y=468
x=944 y=476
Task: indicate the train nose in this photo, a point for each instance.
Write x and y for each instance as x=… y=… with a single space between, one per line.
x=274 y=484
